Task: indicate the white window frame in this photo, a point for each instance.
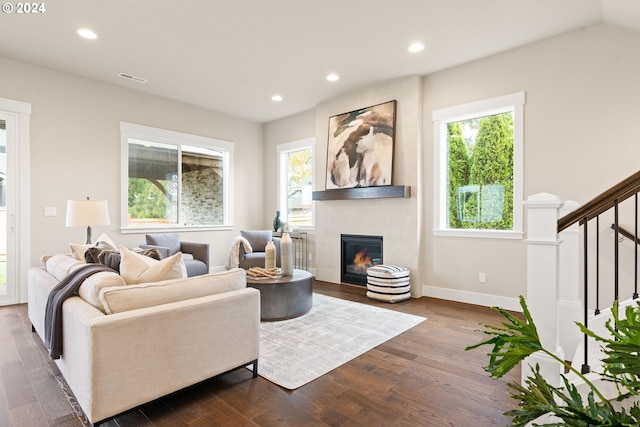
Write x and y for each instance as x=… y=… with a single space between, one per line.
x=282 y=151
x=508 y=103
x=131 y=130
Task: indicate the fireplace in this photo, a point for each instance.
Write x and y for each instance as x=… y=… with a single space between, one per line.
x=357 y=254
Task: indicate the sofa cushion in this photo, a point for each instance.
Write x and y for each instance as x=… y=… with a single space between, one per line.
x=137 y=268
x=92 y=285
x=60 y=265
x=258 y=239
x=124 y=298
x=168 y=240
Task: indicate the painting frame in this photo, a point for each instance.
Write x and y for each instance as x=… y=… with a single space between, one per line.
x=360 y=147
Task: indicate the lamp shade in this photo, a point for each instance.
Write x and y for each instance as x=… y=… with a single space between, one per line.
x=87 y=213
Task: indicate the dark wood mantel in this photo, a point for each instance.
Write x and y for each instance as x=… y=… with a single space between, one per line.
x=380 y=192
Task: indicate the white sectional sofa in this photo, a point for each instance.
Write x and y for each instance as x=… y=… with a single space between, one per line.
x=126 y=345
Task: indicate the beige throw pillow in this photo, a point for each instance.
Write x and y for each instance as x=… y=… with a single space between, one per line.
x=78 y=250
x=136 y=268
x=106 y=239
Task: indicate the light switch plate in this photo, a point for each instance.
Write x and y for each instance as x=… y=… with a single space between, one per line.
x=50 y=211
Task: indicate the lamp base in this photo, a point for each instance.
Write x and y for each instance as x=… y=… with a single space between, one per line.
x=88 y=241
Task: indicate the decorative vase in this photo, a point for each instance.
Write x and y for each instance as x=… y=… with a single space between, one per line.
x=277 y=222
x=286 y=254
x=270 y=255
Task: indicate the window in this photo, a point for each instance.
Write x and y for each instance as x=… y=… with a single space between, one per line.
x=479 y=168
x=296 y=176
x=173 y=180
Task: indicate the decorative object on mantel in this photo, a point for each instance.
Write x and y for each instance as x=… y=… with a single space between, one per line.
x=286 y=253
x=360 y=147
x=382 y=192
x=277 y=222
x=270 y=255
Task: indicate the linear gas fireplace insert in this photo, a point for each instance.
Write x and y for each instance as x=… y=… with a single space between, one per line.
x=357 y=254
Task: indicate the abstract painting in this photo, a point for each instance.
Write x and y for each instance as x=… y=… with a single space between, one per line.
x=360 y=147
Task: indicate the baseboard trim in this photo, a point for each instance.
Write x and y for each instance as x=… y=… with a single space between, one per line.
x=486 y=300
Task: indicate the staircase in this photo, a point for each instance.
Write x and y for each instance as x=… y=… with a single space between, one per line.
x=569 y=255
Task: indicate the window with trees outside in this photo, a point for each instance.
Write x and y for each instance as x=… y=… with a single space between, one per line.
x=479 y=168
x=173 y=180
x=296 y=177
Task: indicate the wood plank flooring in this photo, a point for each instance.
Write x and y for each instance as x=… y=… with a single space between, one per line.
x=422 y=377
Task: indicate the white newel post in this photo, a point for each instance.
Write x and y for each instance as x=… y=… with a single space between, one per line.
x=542 y=282
x=570 y=306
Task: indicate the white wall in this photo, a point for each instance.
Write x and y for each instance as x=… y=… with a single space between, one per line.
x=75 y=152
x=293 y=128
x=580 y=138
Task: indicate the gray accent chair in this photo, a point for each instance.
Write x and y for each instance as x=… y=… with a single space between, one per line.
x=194 y=254
x=258 y=240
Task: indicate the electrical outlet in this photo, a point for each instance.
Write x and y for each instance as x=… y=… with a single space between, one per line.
x=482 y=278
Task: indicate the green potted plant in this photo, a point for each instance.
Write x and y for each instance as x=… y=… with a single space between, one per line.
x=517 y=338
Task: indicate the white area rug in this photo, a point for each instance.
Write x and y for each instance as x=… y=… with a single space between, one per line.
x=296 y=351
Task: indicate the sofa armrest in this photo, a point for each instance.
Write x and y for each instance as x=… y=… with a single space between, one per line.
x=116 y=362
x=200 y=251
x=164 y=251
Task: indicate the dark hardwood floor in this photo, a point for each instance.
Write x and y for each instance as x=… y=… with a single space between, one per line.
x=422 y=377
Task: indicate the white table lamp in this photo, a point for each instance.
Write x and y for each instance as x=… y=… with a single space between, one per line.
x=85 y=213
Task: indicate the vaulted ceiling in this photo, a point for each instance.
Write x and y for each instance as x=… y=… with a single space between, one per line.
x=233 y=56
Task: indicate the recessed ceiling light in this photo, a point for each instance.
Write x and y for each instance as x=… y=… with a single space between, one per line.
x=276 y=98
x=87 y=34
x=333 y=77
x=416 y=47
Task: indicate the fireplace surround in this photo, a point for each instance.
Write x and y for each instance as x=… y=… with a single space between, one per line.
x=358 y=252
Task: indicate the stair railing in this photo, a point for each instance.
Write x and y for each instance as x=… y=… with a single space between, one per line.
x=609 y=199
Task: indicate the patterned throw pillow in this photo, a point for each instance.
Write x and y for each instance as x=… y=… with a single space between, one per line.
x=111 y=258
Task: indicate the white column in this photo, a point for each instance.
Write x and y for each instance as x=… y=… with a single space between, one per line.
x=542 y=281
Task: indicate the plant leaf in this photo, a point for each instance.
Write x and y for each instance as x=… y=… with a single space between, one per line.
x=512 y=342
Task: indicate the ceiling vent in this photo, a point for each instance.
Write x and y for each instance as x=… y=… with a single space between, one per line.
x=133 y=78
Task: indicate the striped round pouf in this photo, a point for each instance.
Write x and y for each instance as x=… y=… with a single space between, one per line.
x=389 y=283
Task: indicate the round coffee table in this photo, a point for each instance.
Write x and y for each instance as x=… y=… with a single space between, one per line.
x=285 y=297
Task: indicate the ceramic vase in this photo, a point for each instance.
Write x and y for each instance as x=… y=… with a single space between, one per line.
x=277 y=222
x=270 y=255
x=286 y=254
